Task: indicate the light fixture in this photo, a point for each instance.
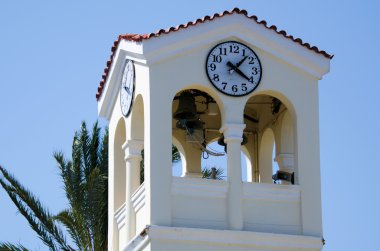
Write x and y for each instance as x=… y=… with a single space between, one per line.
x=282 y=175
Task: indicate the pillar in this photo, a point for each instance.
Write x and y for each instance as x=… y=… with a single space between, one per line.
x=285 y=163
x=233 y=137
x=308 y=166
x=158 y=156
x=132 y=149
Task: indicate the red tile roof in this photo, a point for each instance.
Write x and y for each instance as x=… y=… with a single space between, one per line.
x=141 y=37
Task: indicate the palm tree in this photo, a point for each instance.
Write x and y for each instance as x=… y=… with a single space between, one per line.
x=85 y=184
x=212 y=173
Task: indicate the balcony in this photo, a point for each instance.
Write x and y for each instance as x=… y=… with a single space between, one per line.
x=202 y=203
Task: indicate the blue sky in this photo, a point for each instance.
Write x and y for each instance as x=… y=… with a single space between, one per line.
x=52 y=56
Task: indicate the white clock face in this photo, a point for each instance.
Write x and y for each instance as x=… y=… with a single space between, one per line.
x=233 y=68
x=127 y=88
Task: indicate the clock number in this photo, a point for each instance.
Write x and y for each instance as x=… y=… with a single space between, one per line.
x=243 y=52
x=224 y=85
x=250 y=80
x=234 y=88
x=254 y=70
x=222 y=51
x=212 y=67
x=251 y=60
x=217 y=58
x=216 y=77
x=244 y=87
x=234 y=49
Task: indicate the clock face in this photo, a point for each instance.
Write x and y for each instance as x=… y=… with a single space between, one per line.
x=233 y=68
x=127 y=88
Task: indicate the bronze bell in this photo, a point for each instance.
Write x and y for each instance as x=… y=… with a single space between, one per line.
x=222 y=143
x=187 y=109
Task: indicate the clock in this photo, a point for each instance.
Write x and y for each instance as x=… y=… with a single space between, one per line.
x=127 y=88
x=233 y=68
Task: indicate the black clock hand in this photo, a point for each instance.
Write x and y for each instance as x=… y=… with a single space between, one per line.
x=237 y=70
x=241 y=61
x=238 y=64
x=127 y=90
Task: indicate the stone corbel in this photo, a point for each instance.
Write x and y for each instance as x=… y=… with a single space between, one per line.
x=285 y=162
x=232 y=132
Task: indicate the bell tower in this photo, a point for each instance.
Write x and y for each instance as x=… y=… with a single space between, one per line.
x=227 y=78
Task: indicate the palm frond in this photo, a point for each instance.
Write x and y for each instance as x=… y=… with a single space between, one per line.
x=94 y=147
x=84 y=139
x=31 y=208
x=175 y=154
x=207 y=173
x=85 y=180
x=67 y=218
x=6 y=246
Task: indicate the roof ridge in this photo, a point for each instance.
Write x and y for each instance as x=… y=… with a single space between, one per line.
x=141 y=37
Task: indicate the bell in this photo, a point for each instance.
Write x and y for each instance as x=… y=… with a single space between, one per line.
x=222 y=143
x=186 y=107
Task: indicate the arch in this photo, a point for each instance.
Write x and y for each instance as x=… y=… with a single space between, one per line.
x=137 y=119
x=207 y=124
x=281 y=123
x=283 y=98
x=119 y=165
x=265 y=156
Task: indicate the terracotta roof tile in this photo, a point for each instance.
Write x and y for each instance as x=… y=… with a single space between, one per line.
x=141 y=37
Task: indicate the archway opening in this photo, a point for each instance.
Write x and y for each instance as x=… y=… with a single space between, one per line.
x=269 y=124
x=137 y=133
x=119 y=172
x=214 y=167
x=196 y=120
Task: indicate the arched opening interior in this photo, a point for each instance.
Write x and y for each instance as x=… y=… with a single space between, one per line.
x=214 y=167
x=275 y=166
x=270 y=147
x=119 y=165
x=137 y=133
x=266 y=150
x=196 y=122
x=178 y=154
x=246 y=165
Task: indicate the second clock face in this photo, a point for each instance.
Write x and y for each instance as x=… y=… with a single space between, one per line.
x=233 y=68
x=127 y=88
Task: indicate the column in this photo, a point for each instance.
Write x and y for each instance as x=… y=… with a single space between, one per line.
x=132 y=149
x=285 y=163
x=308 y=166
x=233 y=137
x=158 y=157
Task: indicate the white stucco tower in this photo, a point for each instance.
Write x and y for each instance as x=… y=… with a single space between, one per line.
x=190 y=86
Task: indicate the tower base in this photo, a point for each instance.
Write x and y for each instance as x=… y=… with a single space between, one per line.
x=160 y=238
